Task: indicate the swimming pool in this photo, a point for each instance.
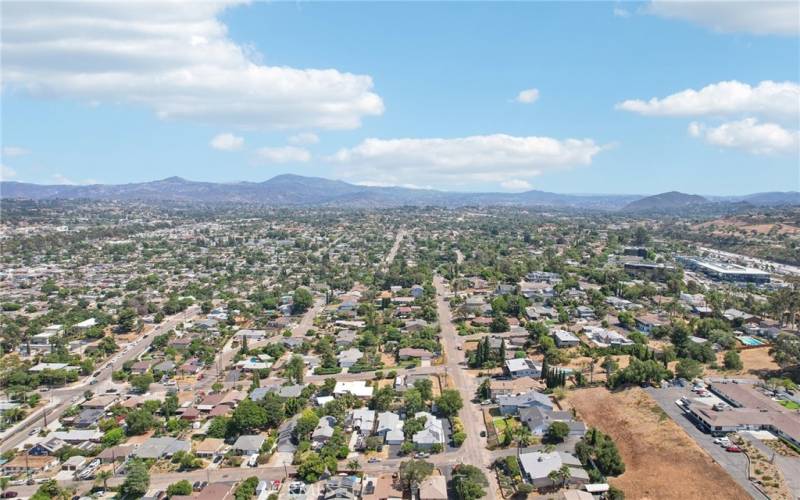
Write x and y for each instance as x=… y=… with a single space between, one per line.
x=749 y=341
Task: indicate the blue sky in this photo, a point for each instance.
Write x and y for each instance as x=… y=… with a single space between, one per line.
x=417 y=94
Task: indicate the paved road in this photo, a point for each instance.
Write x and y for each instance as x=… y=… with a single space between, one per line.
x=473 y=451
x=734 y=464
x=396 y=246
x=62 y=397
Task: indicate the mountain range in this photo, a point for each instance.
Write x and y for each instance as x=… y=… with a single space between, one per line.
x=296 y=190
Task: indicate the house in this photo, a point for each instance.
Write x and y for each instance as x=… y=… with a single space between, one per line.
x=605 y=338
x=417 y=291
x=409 y=352
x=536 y=467
x=161 y=447
x=209 y=448
x=734 y=315
x=647 y=322
x=88 y=418
x=433 y=488
x=383 y=487
x=345 y=338
x=357 y=388
x=499 y=387
x=84 y=325
x=74 y=463
x=324 y=430
x=165 y=366
x=22 y=464
x=349 y=357
x=250 y=335
x=76 y=437
x=48 y=446
x=584 y=312
x=102 y=402
x=564 y=338
x=538 y=419
x=116 y=454
x=390 y=428
x=511 y=404
x=140 y=367
x=342 y=487
x=249 y=444
x=522 y=368
x=362 y=420
x=431 y=434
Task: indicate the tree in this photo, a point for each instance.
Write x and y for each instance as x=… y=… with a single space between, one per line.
x=302 y=301
x=182 y=487
x=127 y=320
x=103 y=476
x=312 y=468
x=688 y=369
x=294 y=369
x=306 y=424
x=449 y=403
x=468 y=482
x=413 y=472
x=499 y=324
x=249 y=416
x=137 y=481
x=218 y=428
x=246 y=489
x=425 y=388
x=141 y=383
x=382 y=399
x=733 y=361
x=557 y=432
x=412 y=400
x=353 y=465
x=139 y=421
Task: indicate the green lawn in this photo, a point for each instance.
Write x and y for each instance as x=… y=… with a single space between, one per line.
x=789 y=405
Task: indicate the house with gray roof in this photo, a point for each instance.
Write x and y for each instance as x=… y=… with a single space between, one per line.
x=538 y=419
x=512 y=403
x=349 y=357
x=431 y=434
x=324 y=431
x=362 y=421
x=161 y=447
x=536 y=466
x=390 y=427
x=248 y=444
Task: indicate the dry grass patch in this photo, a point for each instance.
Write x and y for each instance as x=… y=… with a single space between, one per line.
x=661 y=460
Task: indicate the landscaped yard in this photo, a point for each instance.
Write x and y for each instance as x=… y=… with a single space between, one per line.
x=661 y=460
x=789 y=405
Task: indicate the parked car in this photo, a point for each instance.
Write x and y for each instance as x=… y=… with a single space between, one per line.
x=733 y=449
x=10 y=494
x=374 y=460
x=34 y=431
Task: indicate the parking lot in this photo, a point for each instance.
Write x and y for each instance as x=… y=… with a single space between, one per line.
x=734 y=463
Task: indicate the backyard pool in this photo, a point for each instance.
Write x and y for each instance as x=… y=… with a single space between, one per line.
x=749 y=341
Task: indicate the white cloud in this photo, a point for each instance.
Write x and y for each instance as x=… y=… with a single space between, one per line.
x=620 y=12
x=516 y=185
x=304 y=138
x=227 y=142
x=758 y=17
x=768 y=99
x=7 y=173
x=174 y=58
x=461 y=161
x=528 y=96
x=389 y=184
x=751 y=136
x=12 y=151
x=286 y=154
x=61 y=179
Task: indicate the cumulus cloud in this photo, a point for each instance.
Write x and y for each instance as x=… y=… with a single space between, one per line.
x=757 y=17
x=227 y=142
x=461 y=161
x=286 y=154
x=620 y=12
x=7 y=173
x=768 y=99
x=516 y=185
x=13 y=151
x=174 y=58
x=304 y=138
x=528 y=96
x=62 y=179
x=751 y=136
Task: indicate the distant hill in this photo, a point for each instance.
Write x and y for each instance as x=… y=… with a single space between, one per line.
x=297 y=190
x=666 y=202
x=292 y=190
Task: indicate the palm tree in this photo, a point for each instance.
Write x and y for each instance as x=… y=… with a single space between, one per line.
x=353 y=465
x=4 y=482
x=564 y=474
x=103 y=476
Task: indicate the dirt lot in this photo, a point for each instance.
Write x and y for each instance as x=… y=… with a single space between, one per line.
x=661 y=460
x=755 y=361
